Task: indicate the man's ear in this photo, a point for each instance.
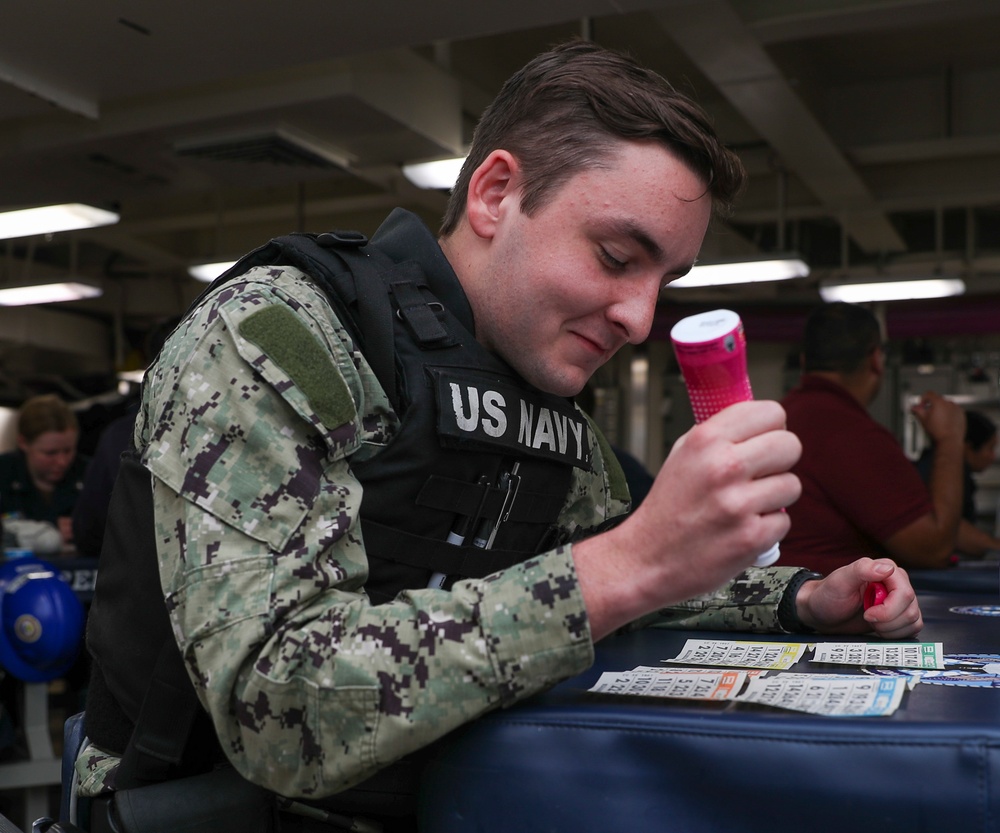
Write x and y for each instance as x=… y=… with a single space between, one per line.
x=490 y=184
x=877 y=360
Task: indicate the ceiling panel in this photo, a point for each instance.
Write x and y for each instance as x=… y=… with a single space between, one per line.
x=861 y=123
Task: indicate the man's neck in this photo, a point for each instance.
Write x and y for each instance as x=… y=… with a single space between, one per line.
x=859 y=386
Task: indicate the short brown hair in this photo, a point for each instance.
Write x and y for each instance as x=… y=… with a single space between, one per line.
x=44 y=413
x=564 y=112
x=838 y=337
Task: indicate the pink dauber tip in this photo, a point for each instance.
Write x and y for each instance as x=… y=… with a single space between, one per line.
x=875 y=594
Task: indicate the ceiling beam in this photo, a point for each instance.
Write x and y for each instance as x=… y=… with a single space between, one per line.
x=799 y=21
x=62 y=98
x=413 y=92
x=237 y=216
x=712 y=34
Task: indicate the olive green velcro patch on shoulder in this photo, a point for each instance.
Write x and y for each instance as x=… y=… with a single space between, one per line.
x=286 y=341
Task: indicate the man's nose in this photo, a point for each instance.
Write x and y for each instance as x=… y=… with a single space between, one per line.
x=634 y=311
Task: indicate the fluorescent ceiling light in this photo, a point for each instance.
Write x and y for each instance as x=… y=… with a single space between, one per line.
x=208 y=272
x=858 y=292
x=746 y=271
x=49 y=219
x=134 y=377
x=440 y=174
x=47 y=293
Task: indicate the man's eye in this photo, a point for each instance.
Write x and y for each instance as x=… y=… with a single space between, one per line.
x=611 y=260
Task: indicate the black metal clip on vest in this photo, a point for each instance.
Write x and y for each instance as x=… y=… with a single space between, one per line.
x=510 y=481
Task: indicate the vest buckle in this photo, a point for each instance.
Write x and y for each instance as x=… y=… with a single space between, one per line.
x=341 y=238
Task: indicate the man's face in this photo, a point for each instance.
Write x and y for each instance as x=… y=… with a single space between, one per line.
x=980 y=459
x=566 y=288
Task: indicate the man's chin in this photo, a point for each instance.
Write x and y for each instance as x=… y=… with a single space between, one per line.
x=565 y=384
x=559 y=377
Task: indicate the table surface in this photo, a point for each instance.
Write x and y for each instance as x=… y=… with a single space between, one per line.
x=973 y=576
x=572 y=760
x=958 y=633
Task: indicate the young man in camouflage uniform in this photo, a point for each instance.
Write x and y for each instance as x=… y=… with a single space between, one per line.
x=265 y=432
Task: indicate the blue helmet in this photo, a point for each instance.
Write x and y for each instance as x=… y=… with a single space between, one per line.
x=41 y=621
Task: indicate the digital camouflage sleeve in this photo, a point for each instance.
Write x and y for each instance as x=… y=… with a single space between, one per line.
x=310 y=687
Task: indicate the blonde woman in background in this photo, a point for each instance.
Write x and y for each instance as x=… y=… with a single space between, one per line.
x=42 y=478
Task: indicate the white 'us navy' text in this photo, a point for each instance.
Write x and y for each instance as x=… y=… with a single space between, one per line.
x=537 y=428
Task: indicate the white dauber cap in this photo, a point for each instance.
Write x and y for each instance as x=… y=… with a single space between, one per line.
x=768 y=558
x=705 y=326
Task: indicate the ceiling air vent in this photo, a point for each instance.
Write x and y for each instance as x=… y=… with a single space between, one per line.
x=269 y=147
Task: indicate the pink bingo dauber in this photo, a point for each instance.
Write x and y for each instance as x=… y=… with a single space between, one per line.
x=711 y=349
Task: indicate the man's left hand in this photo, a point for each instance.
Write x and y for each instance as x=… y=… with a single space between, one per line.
x=835 y=604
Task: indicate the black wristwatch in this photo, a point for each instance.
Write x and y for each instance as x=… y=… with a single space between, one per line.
x=788 y=615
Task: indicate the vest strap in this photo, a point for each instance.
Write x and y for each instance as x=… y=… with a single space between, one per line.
x=437 y=556
x=475 y=501
x=418 y=314
x=169 y=711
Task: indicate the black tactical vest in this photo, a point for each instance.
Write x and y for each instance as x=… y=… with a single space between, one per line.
x=473 y=482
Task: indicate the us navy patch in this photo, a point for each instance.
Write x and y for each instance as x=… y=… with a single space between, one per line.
x=474 y=407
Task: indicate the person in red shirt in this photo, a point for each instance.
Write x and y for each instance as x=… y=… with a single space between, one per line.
x=861 y=496
x=980 y=453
